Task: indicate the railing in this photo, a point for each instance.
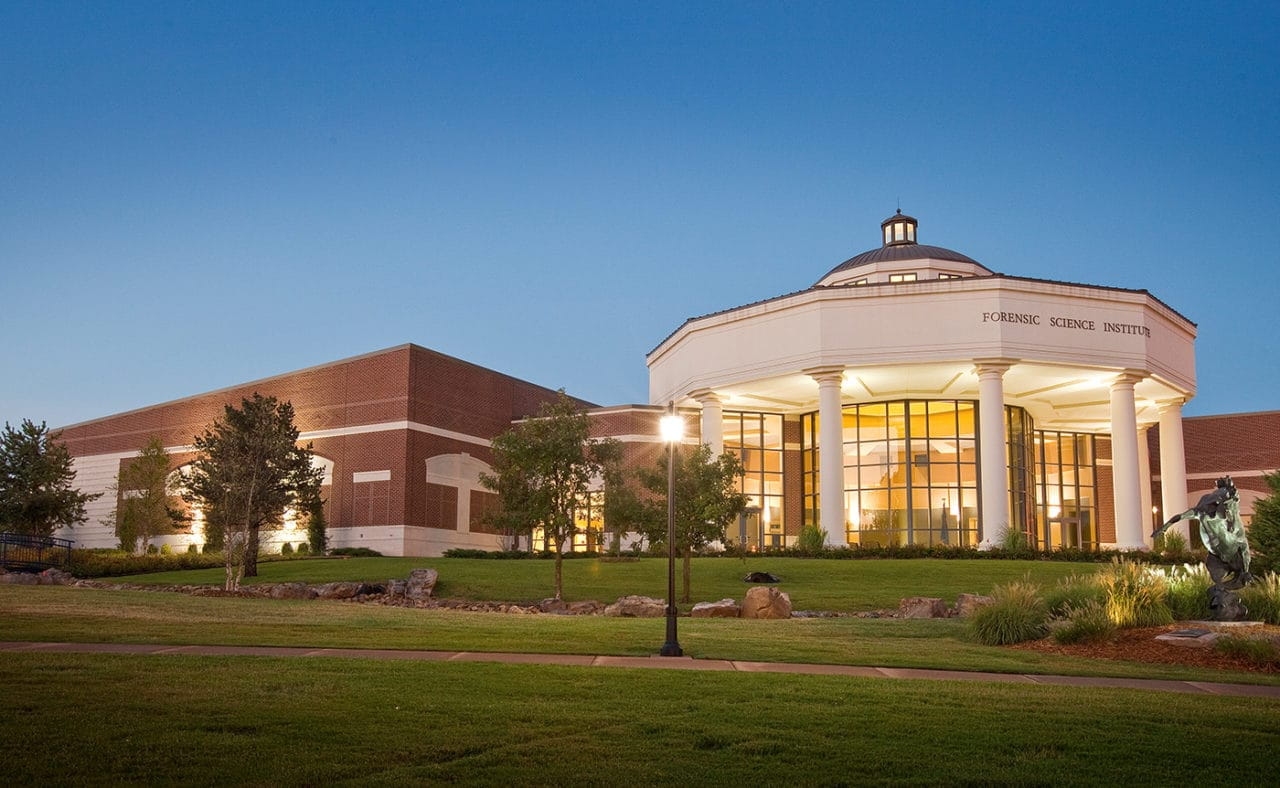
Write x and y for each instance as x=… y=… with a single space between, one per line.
x=24 y=552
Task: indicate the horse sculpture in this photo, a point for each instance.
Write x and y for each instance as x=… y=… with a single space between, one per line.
x=1222 y=532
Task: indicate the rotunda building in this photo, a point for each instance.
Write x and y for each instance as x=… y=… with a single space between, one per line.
x=913 y=396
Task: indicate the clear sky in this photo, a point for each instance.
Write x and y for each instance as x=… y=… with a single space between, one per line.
x=194 y=195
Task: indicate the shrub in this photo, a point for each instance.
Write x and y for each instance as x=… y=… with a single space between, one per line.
x=1189 y=593
x=1135 y=595
x=1262 y=597
x=286 y=549
x=811 y=540
x=152 y=549
x=1016 y=613
x=1256 y=650
x=304 y=548
x=166 y=550
x=1014 y=540
x=356 y=552
x=1074 y=591
x=1174 y=544
x=1087 y=623
x=193 y=549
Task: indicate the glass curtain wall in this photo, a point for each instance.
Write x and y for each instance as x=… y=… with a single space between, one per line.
x=757 y=440
x=910 y=472
x=588 y=522
x=1019 y=432
x=1066 y=491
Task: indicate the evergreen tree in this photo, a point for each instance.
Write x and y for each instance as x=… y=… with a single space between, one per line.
x=146 y=500
x=1264 y=529
x=250 y=469
x=317 y=528
x=36 y=477
x=707 y=500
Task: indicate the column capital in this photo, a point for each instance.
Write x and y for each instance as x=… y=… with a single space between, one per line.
x=1129 y=378
x=832 y=374
x=986 y=367
x=706 y=397
x=1170 y=405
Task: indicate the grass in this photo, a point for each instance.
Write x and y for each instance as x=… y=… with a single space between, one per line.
x=814 y=584
x=44 y=613
x=201 y=721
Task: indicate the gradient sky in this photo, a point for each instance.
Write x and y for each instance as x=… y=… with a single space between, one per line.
x=198 y=195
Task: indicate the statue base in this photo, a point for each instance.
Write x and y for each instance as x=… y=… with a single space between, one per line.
x=1225 y=605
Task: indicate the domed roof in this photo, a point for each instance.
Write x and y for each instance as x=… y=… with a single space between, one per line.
x=899 y=234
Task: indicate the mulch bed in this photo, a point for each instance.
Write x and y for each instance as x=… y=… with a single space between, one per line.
x=1140 y=645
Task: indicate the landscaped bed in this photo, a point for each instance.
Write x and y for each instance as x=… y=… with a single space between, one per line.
x=1140 y=645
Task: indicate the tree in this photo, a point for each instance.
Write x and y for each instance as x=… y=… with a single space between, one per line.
x=1264 y=529
x=249 y=470
x=146 y=499
x=317 y=528
x=543 y=467
x=36 y=476
x=707 y=500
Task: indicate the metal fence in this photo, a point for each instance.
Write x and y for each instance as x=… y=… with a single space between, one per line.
x=26 y=552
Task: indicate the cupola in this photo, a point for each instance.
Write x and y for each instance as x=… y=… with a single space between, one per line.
x=898 y=229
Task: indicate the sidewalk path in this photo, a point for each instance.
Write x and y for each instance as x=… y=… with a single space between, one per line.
x=667 y=663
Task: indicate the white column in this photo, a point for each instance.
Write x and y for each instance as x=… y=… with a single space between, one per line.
x=993 y=450
x=1124 y=462
x=712 y=420
x=831 y=514
x=1144 y=483
x=1173 y=466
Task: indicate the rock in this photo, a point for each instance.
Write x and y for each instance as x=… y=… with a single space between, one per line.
x=588 y=607
x=725 y=608
x=55 y=577
x=637 y=607
x=340 y=590
x=967 y=603
x=421 y=584
x=19 y=579
x=761 y=577
x=922 y=607
x=371 y=589
x=553 y=605
x=1205 y=640
x=397 y=588
x=766 y=602
x=292 y=591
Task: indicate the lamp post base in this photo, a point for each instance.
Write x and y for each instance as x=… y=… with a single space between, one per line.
x=671 y=650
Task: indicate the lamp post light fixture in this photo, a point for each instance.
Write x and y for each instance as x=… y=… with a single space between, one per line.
x=672 y=432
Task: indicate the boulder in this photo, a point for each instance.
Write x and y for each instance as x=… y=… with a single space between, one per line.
x=292 y=591
x=553 y=605
x=55 y=577
x=967 y=603
x=397 y=588
x=725 y=608
x=637 y=607
x=922 y=607
x=340 y=590
x=588 y=607
x=761 y=577
x=19 y=579
x=766 y=602
x=421 y=584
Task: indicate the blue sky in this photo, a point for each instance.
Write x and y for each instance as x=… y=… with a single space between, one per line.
x=197 y=195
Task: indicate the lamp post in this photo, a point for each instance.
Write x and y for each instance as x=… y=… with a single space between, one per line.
x=672 y=432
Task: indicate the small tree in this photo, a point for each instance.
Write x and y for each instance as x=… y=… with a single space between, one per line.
x=624 y=510
x=1264 y=529
x=707 y=500
x=250 y=469
x=36 y=476
x=317 y=528
x=542 y=468
x=146 y=499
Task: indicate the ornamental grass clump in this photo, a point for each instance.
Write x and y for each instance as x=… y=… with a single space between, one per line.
x=1135 y=595
x=1016 y=613
x=1260 y=652
x=1188 y=597
x=1073 y=592
x=1262 y=598
x=1088 y=623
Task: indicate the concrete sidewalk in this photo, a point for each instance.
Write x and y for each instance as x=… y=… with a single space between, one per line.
x=662 y=663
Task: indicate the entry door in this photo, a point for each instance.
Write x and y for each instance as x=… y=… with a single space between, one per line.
x=749 y=530
x=1064 y=532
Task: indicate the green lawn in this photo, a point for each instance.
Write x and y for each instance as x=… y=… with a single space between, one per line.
x=813 y=584
x=195 y=720
x=44 y=613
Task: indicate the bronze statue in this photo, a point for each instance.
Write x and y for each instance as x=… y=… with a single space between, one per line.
x=1222 y=532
